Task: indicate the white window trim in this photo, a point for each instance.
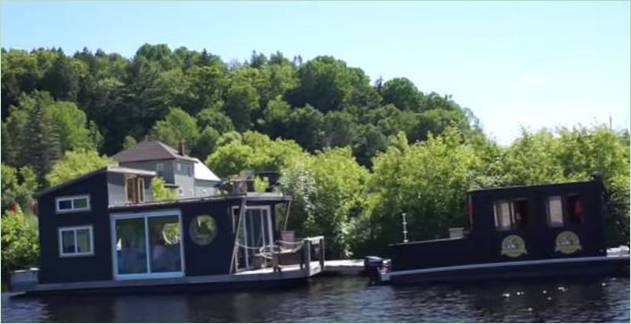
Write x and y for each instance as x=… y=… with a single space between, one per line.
x=74 y=229
x=146 y=216
x=72 y=199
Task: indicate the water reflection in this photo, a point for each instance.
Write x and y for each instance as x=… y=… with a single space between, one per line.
x=346 y=300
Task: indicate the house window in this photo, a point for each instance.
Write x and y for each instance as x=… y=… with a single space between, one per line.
x=575 y=209
x=76 y=241
x=135 y=187
x=72 y=204
x=555 y=211
x=160 y=168
x=511 y=214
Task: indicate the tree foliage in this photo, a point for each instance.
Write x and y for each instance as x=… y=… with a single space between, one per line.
x=75 y=164
x=20 y=243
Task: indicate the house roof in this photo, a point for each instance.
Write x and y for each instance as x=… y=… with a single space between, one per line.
x=110 y=168
x=149 y=150
x=201 y=172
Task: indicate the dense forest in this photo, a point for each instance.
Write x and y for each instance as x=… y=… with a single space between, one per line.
x=355 y=154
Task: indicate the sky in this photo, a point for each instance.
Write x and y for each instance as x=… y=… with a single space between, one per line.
x=514 y=64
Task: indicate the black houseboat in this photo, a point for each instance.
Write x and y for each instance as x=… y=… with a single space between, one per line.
x=104 y=231
x=516 y=232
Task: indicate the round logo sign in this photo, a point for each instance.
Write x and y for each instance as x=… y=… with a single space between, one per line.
x=203 y=229
x=567 y=242
x=513 y=246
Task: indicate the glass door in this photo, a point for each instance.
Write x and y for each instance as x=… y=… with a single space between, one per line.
x=254 y=232
x=147 y=245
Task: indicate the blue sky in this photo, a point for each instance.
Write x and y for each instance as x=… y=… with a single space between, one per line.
x=532 y=64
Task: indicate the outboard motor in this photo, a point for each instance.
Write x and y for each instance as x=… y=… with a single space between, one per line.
x=372 y=266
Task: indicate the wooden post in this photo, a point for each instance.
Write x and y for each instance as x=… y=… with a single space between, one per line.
x=322 y=254
x=306 y=246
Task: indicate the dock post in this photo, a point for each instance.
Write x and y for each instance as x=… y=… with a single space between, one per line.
x=306 y=247
x=321 y=254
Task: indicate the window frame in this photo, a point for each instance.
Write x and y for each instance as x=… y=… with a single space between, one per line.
x=72 y=203
x=74 y=230
x=138 y=189
x=548 y=215
x=512 y=218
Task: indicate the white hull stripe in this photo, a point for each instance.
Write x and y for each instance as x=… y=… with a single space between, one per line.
x=506 y=264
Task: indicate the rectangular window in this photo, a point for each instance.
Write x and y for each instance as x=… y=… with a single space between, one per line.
x=76 y=241
x=135 y=187
x=575 y=209
x=555 y=211
x=511 y=214
x=72 y=204
x=160 y=169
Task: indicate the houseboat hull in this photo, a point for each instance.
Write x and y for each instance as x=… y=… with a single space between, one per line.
x=546 y=268
x=256 y=279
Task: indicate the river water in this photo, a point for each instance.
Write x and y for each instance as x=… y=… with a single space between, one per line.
x=347 y=299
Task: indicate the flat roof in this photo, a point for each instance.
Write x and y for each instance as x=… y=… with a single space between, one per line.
x=250 y=196
x=542 y=185
x=109 y=168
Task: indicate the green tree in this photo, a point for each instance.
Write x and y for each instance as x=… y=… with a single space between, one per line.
x=242 y=101
x=160 y=190
x=402 y=93
x=75 y=164
x=328 y=192
x=214 y=118
x=18 y=187
x=206 y=142
x=177 y=127
x=20 y=243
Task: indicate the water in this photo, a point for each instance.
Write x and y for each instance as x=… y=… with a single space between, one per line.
x=347 y=299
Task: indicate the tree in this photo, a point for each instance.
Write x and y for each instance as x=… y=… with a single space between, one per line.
x=177 y=127
x=206 y=142
x=427 y=180
x=160 y=190
x=214 y=118
x=241 y=101
x=338 y=128
x=20 y=243
x=328 y=84
x=129 y=142
x=402 y=93
x=304 y=125
x=328 y=191
x=75 y=164
x=18 y=187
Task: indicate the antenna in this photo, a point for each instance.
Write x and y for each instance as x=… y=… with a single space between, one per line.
x=405 y=228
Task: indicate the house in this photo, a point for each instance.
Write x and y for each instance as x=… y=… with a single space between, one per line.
x=187 y=175
x=103 y=230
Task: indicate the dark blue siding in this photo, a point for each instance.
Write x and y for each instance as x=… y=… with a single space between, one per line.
x=53 y=268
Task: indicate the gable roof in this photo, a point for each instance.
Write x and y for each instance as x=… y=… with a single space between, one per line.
x=202 y=172
x=111 y=168
x=148 y=151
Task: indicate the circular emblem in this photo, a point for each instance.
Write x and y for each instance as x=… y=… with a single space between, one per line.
x=567 y=242
x=202 y=229
x=513 y=246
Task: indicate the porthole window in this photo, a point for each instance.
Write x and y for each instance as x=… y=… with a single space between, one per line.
x=203 y=229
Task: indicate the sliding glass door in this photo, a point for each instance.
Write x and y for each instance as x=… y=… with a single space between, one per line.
x=147 y=245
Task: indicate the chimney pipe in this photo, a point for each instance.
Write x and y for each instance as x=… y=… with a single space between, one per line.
x=181 y=148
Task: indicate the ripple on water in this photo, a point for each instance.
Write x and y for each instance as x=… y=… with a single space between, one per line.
x=346 y=299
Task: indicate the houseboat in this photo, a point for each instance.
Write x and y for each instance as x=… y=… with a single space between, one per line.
x=516 y=232
x=104 y=231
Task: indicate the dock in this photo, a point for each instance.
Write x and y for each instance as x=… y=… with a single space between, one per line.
x=351 y=267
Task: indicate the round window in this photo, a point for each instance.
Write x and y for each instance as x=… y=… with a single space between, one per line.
x=203 y=229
